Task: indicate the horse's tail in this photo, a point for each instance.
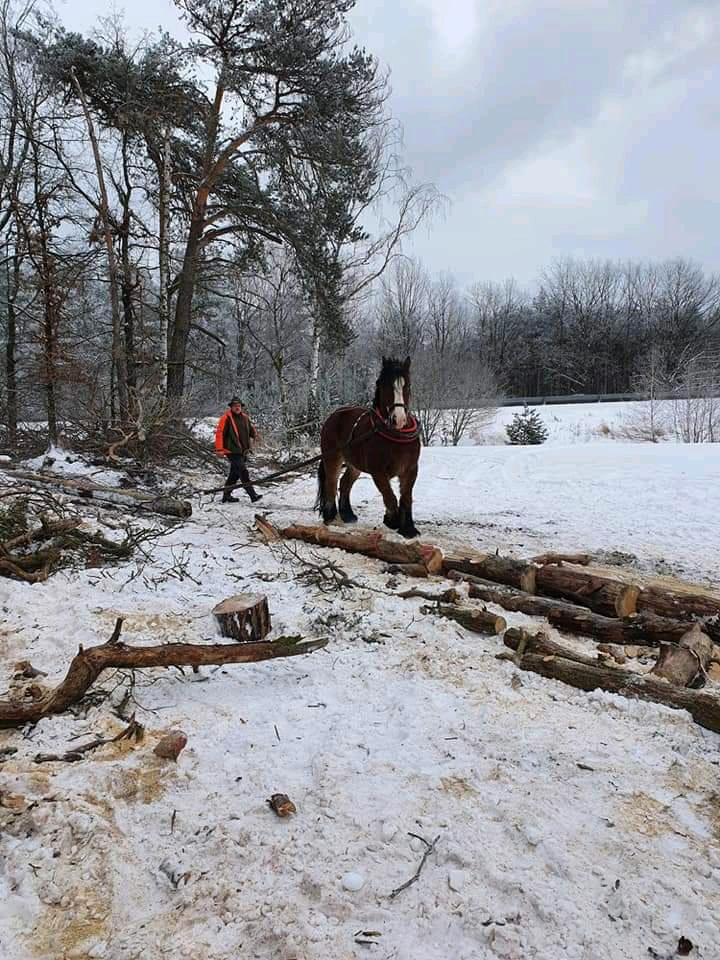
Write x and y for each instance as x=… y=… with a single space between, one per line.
x=320 y=498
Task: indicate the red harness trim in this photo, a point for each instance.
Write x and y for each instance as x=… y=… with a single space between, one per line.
x=407 y=434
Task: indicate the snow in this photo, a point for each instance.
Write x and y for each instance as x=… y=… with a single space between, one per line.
x=67 y=464
x=566 y=423
x=570 y=825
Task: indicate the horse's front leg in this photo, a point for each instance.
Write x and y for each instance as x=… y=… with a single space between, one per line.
x=406 y=526
x=391 y=518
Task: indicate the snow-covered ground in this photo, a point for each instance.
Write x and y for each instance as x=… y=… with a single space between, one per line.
x=569 y=825
x=566 y=423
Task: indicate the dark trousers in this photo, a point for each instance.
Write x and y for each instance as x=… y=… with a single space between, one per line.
x=238 y=471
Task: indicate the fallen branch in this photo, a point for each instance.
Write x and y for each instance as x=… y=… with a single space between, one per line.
x=370 y=543
x=87 y=665
x=447 y=596
x=269 y=477
x=133 y=731
x=429 y=848
x=702 y=706
x=85 y=489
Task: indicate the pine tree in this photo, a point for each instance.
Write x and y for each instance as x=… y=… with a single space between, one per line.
x=526 y=428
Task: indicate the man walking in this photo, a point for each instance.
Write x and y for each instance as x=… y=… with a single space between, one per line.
x=232 y=440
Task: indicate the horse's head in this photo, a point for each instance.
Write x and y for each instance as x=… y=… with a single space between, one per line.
x=392 y=391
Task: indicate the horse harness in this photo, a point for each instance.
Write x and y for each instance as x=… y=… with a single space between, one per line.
x=382 y=428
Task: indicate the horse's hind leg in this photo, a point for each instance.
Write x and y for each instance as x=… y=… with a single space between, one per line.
x=332 y=466
x=405 y=525
x=391 y=518
x=346 y=484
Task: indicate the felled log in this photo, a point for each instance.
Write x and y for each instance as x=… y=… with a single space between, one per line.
x=642 y=628
x=524 y=641
x=244 y=617
x=87 y=665
x=681 y=663
x=472 y=618
x=549 y=559
x=703 y=707
x=677 y=604
x=83 y=488
x=514 y=573
x=610 y=597
x=370 y=543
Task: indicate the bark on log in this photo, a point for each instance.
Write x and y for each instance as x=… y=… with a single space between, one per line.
x=524 y=641
x=472 y=618
x=610 y=597
x=667 y=603
x=514 y=573
x=549 y=559
x=87 y=665
x=681 y=663
x=85 y=489
x=642 y=628
x=244 y=617
x=703 y=707
x=370 y=543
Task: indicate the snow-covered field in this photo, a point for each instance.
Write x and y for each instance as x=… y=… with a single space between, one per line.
x=569 y=825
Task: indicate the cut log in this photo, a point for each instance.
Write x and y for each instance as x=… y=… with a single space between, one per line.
x=514 y=573
x=645 y=629
x=244 y=617
x=610 y=597
x=681 y=606
x=682 y=662
x=472 y=618
x=86 y=490
x=703 y=707
x=524 y=641
x=370 y=543
x=549 y=559
x=87 y=665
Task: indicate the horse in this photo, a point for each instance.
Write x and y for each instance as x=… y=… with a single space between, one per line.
x=382 y=440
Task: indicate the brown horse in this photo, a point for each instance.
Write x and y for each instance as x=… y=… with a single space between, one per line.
x=381 y=440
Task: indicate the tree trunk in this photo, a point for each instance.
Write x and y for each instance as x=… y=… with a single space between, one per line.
x=703 y=707
x=641 y=628
x=183 y=305
x=119 y=357
x=370 y=543
x=13 y=286
x=610 y=597
x=313 y=406
x=515 y=573
x=244 y=617
x=164 y=258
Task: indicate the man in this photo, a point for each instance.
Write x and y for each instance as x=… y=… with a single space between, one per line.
x=232 y=440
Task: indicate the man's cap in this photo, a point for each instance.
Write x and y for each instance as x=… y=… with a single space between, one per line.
x=235 y=400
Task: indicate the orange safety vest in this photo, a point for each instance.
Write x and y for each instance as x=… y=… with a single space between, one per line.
x=220 y=448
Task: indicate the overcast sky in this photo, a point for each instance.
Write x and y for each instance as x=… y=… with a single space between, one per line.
x=587 y=128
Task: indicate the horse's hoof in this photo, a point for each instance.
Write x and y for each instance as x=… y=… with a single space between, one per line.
x=392 y=522
x=348 y=518
x=409 y=533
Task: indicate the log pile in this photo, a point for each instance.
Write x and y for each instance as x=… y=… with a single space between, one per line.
x=681 y=625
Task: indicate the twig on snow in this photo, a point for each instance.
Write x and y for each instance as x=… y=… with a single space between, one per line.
x=429 y=848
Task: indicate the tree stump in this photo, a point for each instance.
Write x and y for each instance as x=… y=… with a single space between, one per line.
x=681 y=663
x=244 y=617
